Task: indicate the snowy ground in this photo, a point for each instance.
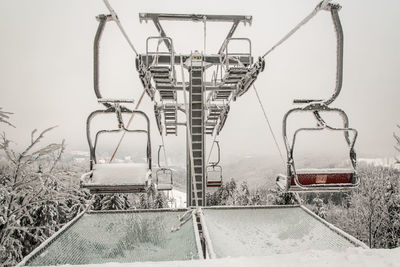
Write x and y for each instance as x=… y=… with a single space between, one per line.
x=179 y=199
x=353 y=257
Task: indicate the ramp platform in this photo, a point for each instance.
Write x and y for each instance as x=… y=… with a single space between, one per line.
x=132 y=236
x=96 y=237
x=262 y=231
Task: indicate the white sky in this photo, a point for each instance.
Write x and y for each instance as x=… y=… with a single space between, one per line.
x=46 y=72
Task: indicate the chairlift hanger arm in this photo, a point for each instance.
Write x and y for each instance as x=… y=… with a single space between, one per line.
x=103 y=19
x=158 y=156
x=219 y=154
x=334 y=10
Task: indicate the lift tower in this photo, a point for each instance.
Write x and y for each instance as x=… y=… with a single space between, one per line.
x=209 y=98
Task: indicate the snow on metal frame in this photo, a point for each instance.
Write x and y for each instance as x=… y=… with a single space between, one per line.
x=340 y=232
x=197 y=237
x=48 y=241
x=42 y=248
x=268 y=235
x=209 y=248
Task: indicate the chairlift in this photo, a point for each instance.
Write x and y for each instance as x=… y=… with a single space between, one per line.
x=309 y=180
x=214 y=171
x=117 y=177
x=316 y=180
x=164 y=176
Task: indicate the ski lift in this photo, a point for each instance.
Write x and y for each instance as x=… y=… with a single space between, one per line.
x=308 y=180
x=214 y=171
x=315 y=180
x=164 y=180
x=117 y=177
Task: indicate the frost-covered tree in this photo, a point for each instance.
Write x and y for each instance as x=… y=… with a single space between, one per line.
x=143 y=202
x=372 y=211
x=282 y=198
x=160 y=201
x=319 y=207
x=115 y=202
x=111 y=202
x=244 y=194
x=35 y=200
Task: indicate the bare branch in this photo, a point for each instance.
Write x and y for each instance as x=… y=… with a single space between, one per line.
x=5 y=146
x=62 y=148
x=32 y=135
x=35 y=140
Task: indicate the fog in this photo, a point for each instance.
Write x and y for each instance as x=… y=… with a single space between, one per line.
x=46 y=68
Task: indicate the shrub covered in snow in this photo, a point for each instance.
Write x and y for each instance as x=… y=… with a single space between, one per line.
x=36 y=198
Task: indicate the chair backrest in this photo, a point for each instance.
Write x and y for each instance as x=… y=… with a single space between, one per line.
x=320 y=179
x=121 y=128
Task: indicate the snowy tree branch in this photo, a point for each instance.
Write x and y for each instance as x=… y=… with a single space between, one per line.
x=4 y=117
x=61 y=151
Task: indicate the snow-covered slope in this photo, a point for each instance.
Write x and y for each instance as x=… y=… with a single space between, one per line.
x=354 y=257
x=179 y=199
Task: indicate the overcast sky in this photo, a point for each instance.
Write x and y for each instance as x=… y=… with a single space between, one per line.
x=46 y=66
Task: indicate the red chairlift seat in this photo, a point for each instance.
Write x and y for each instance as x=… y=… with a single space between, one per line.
x=214 y=171
x=214 y=175
x=333 y=179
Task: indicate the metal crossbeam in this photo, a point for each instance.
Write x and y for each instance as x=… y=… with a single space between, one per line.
x=194 y=17
x=213 y=59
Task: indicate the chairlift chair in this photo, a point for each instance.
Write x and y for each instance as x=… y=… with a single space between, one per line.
x=309 y=180
x=214 y=171
x=316 y=180
x=164 y=176
x=117 y=177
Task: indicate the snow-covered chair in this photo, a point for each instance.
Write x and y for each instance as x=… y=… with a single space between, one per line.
x=214 y=170
x=164 y=176
x=214 y=175
x=309 y=180
x=117 y=177
x=164 y=180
